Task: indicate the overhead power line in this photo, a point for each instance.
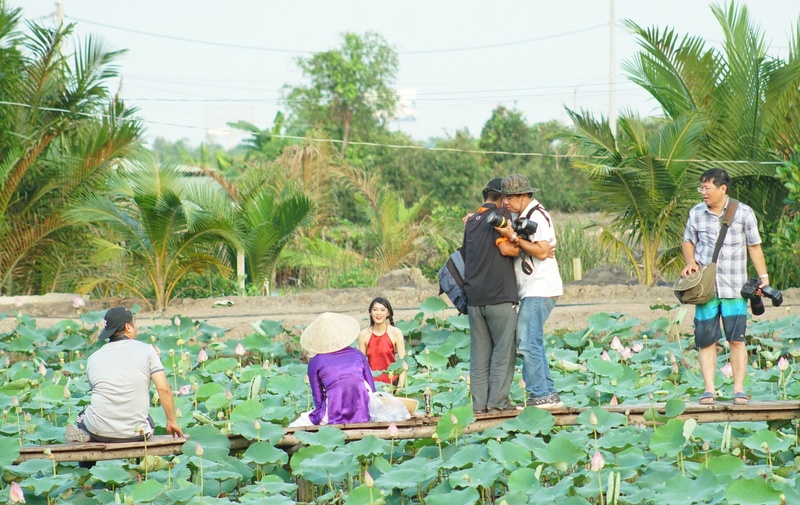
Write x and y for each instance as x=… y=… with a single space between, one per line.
x=376 y=144
x=300 y=51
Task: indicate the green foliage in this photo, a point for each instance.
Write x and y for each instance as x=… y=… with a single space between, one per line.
x=57 y=147
x=153 y=228
x=350 y=91
x=783 y=259
x=577 y=240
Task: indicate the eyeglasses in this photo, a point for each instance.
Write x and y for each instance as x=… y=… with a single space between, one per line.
x=701 y=189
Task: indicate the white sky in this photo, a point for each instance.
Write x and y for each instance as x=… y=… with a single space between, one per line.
x=183 y=89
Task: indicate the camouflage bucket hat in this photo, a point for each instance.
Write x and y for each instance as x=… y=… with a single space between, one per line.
x=517 y=184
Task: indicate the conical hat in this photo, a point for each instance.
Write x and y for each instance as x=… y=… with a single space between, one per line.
x=329 y=332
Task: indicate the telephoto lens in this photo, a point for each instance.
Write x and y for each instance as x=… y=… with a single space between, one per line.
x=525 y=227
x=496 y=219
x=757 y=305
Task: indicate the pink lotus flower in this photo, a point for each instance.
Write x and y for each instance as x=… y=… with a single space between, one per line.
x=78 y=302
x=228 y=395
x=42 y=369
x=368 y=480
x=614 y=400
x=202 y=356
x=185 y=389
x=616 y=344
x=626 y=353
x=605 y=356
x=240 y=349
x=392 y=430
x=15 y=494
x=597 y=462
x=783 y=364
x=638 y=347
x=727 y=371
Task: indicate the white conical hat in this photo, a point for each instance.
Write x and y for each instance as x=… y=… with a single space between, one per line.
x=329 y=332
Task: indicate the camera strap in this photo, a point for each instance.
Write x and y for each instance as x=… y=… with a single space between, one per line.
x=527 y=260
x=727 y=219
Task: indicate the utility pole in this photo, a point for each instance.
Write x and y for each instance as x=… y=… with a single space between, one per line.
x=59 y=12
x=612 y=70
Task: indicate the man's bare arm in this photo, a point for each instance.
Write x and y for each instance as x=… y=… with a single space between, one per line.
x=167 y=402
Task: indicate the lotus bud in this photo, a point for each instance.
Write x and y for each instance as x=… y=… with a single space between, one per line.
x=392 y=430
x=521 y=384
x=178 y=413
x=177 y=321
x=783 y=364
x=195 y=386
x=82 y=367
x=616 y=344
x=256 y=424
x=28 y=417
x=605 y=356
x=78 y=302
x=368 y=481
x=626 y=353
x=15 y=494
x=705 y=446
x=592 y=419
x=180 y=342
x=675 y=369
x=202 y=356
x=15 y=401
x=228 y=395
x=265 y=366
x=240 y=349
x=638 y=347
x=152 y=338
x=172 y=353
x=597 y=462
x=198 y=449
x=185 y=389
x=614 y=400
x=727 y=371
x=67 y=393
x=453 y=419
x=305 y=379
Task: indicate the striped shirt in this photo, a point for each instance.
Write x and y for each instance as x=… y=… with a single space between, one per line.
x=702 y=230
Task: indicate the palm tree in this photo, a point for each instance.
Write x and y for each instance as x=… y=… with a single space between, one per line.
x=61 y=132
x=751 y=100
x=155 y=227
x=641 y=178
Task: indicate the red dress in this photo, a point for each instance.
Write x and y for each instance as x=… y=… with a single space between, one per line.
x=380 y=354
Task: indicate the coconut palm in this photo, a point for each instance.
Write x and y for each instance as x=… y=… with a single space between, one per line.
x=640 y=177
x=61 y=131
x=154 y=227
x=751 y=100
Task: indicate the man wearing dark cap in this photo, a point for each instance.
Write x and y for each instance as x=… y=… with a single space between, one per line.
x=539 y=284
x=491 y=295
x=119 y=375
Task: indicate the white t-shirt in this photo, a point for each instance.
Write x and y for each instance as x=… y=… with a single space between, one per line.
x=545 y=280
x=119 y=375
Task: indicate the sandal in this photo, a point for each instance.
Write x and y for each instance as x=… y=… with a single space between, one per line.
x=707 y=398
x=741 y=398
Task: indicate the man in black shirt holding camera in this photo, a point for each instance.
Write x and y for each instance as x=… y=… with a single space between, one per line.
x=491 y=289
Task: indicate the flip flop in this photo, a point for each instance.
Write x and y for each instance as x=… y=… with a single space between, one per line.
x=741 y=398
x=707 y=398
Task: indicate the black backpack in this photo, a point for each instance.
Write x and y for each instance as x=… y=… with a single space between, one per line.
x=451 y=280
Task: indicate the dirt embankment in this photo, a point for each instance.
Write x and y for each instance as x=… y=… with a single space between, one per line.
x=405 y=289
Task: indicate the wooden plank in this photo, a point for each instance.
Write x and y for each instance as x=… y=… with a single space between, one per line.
x=162 y=445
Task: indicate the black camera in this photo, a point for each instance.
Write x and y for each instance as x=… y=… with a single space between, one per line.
x=524 y=227
x=756 y=304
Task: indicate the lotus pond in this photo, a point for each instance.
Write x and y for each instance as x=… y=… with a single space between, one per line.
x=256 y=386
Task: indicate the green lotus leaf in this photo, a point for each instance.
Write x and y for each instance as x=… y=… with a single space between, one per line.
x=369 y=447
x=432 y=305
x=466 y=456
x=561 y=452
x=668 y=439
x=482 y=474
x=531 y=420
x=363 y=495
x=726 y=464
x=262 y=453
x=764 y=440
x=466 y=496
x=110 y=472
x=9 y=451
x=512 y=456
x=248 y=410
x=326 y=436
x=605 y=420
x=216 y=446
x=523 y=480
x=146 y=491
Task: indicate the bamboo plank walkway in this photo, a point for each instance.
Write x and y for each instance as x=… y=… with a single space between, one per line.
x=162 y=445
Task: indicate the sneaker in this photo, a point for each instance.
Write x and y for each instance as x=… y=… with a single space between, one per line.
x=507 y=406
x=552 y=401
x=75 y=434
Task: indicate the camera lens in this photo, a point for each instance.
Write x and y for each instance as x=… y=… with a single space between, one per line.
x=757 y=305
x=525 y=227
x=773 y=294
x=495 y=219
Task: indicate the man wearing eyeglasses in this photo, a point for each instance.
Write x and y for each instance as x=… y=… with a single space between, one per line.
x=539 y=285
x=727 y=306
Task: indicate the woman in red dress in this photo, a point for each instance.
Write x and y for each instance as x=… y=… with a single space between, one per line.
x=382 y=342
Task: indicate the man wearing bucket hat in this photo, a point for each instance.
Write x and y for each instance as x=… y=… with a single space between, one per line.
x=727 y=306
x=491 y=291
x=119 y=375
x=337 y=372
x=539 y=286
